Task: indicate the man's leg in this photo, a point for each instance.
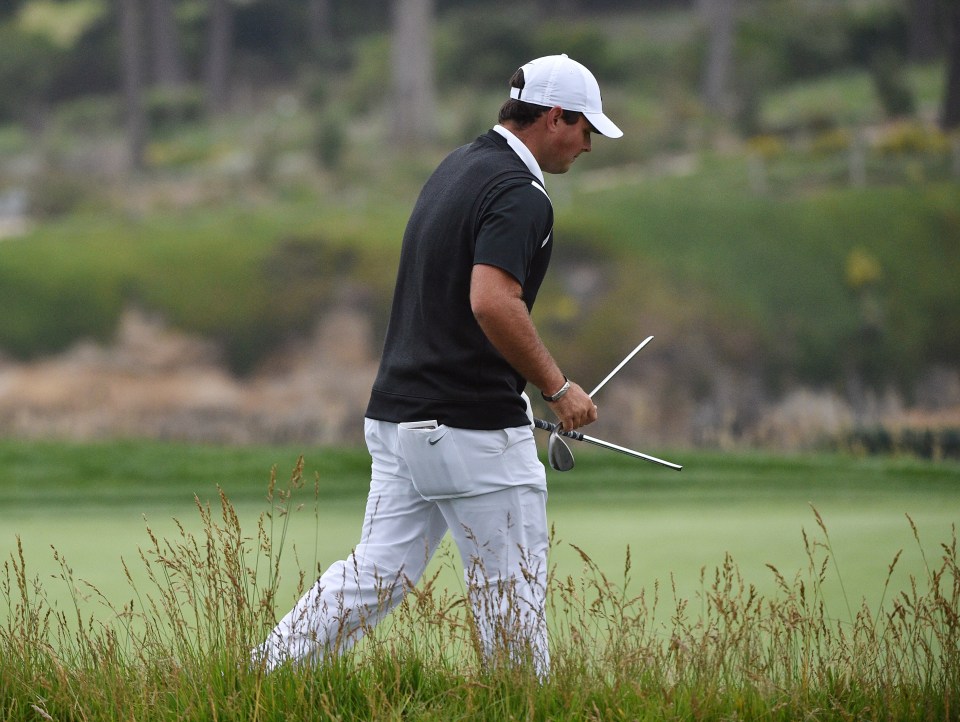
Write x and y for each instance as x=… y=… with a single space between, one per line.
x=400 y=534
x=503 y=541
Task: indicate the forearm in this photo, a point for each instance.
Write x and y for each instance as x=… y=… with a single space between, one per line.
x=497 y=303
x=502 y=315
x=513 y=334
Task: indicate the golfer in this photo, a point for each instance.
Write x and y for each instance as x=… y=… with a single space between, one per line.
x=448 y=424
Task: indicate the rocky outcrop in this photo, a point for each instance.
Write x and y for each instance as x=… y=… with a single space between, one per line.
x=154 y=382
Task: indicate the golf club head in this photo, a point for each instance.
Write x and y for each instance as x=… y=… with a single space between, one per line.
x=558 y=453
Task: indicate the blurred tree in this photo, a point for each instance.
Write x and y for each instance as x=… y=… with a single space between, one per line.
x=890 y=81
x=318 y=25
x=353 y=18
x=9 y=8
x=719 y=17
x=63 y=23
x=413 y=100
x=552 y=9
x=168 y=66
x=27 y=71
x=269 y=37
x=924 y=35
x=219 y=52
x=950 y=116
x=132 y=62
x=486 y=47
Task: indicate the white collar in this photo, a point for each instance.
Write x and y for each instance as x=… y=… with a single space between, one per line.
x=523 y=151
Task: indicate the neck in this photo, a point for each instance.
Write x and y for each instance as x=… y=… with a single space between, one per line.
x=526 y=136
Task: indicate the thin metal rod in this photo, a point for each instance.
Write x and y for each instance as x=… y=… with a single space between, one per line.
x=621 y=449
x=623 y=363
x=576 y=435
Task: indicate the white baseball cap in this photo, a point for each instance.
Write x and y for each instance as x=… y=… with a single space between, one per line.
x=557 y=80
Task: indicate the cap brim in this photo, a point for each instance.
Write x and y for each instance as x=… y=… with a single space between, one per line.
x=604 y=125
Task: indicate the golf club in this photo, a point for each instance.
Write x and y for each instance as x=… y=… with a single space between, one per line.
x=623 y=363
x=564 y=457
x=558 y=453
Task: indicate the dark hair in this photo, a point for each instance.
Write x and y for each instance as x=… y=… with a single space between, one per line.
x=523 y=113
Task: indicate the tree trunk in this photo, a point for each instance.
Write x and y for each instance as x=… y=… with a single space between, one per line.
x=132 y=64
x=950 y=118
x=719 y=17
x=413 y=96
x=318 y=24
x=924 y=36
x=219 y=50
x=167 y=55
x=552 y=9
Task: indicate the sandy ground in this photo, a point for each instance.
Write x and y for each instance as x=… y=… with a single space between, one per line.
x=153 y=382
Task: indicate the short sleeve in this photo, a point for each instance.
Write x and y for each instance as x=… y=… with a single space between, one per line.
x=514 y=225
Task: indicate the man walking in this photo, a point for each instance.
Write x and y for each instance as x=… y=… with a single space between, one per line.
x=448 y=424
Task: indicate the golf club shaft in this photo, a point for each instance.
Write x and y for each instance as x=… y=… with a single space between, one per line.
x=623 y=363
x=576 y=435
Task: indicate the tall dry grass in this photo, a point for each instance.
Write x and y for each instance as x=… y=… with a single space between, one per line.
x=179 y=649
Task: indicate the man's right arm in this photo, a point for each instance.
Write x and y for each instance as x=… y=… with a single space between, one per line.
x=496 y=299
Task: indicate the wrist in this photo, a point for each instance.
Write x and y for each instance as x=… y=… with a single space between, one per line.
x=559 y=394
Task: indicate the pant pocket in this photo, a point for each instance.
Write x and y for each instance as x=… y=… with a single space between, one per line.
x=436 y=464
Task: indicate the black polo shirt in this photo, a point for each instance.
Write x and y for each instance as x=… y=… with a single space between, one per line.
x=481 y=205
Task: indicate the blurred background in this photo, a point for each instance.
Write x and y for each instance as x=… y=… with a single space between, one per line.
x=201 y=205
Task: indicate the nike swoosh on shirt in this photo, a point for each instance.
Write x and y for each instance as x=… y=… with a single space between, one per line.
x=436 y=439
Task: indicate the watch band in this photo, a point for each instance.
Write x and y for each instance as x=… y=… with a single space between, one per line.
x=559 y=395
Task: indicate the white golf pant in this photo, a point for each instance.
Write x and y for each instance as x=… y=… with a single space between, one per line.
x=501 y=536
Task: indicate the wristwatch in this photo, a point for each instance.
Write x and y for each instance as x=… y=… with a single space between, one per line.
x=559 y=395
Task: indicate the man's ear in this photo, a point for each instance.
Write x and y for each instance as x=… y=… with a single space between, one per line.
x=554 y=117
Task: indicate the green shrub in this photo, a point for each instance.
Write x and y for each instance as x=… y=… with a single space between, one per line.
x=28 y=66
x=767 y=146
x=331 y=140
x=13 y=139
x=582 y=42
x=890 y=82
x=873 y=27
x=771 y=272
x=46 y=318
x=57 y=194
x=791 y=41
x=482 y=49
x=92 y=114
x=316 y=88
x=183 y=149
x=907 y=138
x=830 y=141
x=473 y=44
x=369 y=83
x=924 y=443
x=795 y=41
x=168 y=108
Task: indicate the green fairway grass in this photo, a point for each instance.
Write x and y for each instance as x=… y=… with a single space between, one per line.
x=743 y=596
x=94 y=502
